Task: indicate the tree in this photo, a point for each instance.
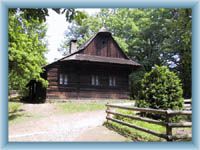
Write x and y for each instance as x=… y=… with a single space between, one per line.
x=41 y=13
x=149 y=36
x=26 y=50
x=179 y=45
x=161 y=89
x=27 y=43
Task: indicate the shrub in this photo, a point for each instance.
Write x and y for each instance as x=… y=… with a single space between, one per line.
x=161 y=89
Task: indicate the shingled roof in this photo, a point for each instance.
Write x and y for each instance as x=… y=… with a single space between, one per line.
x=92 y=58
x=76 y=56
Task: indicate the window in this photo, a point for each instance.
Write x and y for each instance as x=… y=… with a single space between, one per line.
x=63 y=79
x=95 y=80
x=112 y=81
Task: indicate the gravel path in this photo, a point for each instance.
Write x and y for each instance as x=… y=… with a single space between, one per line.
x=54 y=126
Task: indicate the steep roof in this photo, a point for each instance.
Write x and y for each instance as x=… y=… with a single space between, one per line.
x=92 y=58
x=102 y=30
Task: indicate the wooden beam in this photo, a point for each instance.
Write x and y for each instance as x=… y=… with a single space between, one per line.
x=168 y=129
x=138 y=128
x=139 y=109
x=139 y=118
x=187 y=101
x=180 y=137
x=178 y=112
x=180 y=125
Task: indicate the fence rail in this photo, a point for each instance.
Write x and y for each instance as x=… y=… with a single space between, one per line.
x=187 y=104
x=168 y=113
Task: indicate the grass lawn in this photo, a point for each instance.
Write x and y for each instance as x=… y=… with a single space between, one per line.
x=17 y=114
x=13 y=107
x=134 y=134
x=73 y=107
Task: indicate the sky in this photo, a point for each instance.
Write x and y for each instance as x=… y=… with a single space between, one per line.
x=56 y=27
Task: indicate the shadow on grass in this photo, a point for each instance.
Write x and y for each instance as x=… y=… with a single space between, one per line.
x=26 y=100
x=14 y=116
x=17 y=114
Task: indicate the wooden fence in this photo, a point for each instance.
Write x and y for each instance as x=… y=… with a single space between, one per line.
x=187 y=104
x=168 y=113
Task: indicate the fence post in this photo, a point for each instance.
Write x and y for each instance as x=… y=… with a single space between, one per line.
x=107 y=109
x=168 y=128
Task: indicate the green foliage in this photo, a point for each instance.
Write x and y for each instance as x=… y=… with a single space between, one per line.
x=41 y=13
x=135 y=79
x=13 y=107
x=27 y=46
x=149 y=36
x=18 y=115
x=125 y=112
x=161 y=89
x=180 y=43
x=142 y=103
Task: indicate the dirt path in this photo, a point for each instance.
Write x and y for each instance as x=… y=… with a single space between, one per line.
x=100 y=134
x=55 y=126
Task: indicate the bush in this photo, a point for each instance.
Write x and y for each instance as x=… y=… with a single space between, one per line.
x=161 y=89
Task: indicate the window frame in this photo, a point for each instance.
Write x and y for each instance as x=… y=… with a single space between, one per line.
x=112 y=81
x=63 y=79
x=95 y=80
x=65 y=82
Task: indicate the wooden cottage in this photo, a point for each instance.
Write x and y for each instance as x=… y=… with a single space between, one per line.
x=97 y=69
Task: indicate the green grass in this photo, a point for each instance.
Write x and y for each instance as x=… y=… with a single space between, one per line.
x=73 y=107
x=13 y=107
x=135 y=134
x=18 y=115
x=15 y=112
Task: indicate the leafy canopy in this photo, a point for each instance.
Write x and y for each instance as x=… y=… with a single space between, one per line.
x=27 y=46
x=41 y=13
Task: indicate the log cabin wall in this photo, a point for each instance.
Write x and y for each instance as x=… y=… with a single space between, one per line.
x=79 y=81
x=74 y=75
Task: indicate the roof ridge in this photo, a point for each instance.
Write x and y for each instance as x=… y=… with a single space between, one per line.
x=85 y=44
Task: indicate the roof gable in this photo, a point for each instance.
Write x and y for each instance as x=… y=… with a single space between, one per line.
x=101 y=44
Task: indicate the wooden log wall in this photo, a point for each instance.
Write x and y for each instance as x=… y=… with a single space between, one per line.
x=79 y=82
